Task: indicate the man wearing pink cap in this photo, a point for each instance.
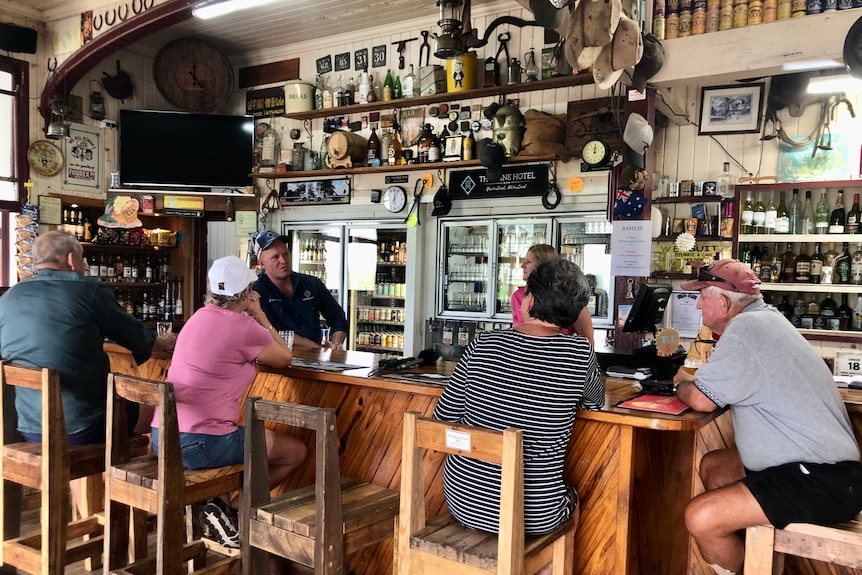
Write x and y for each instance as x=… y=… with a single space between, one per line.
x=796 y=459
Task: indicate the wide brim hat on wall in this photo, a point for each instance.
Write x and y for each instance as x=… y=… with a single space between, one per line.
x=550 y=14
x=650 y=63
x=638 y=136
x=592 y=25
x=624 y=51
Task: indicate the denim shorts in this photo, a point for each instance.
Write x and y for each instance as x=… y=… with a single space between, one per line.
x=94 y=433
x=203 y=451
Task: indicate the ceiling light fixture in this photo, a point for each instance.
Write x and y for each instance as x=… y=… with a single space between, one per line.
x=834 y=83
x=216 y=8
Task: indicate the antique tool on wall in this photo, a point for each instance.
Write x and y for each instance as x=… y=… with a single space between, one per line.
x=424 y=48
x=491 y=77
x=401 y=48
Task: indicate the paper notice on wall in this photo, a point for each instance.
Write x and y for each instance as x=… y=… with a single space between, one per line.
x=684 y=314
x=631 y=248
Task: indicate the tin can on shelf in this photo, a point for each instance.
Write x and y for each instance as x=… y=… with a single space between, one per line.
x=148 y=204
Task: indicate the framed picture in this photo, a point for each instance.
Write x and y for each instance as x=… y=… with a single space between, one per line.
x=732 y=109
x=452 y=146
x=82 y=151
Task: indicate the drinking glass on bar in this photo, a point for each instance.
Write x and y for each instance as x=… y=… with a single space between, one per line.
x=164 y=327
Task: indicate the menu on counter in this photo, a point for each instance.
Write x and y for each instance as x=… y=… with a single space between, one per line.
x=667 y=404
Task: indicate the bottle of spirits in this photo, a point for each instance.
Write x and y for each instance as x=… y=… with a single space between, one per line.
x=794 y=211
x=88 y=228
x=844 y=313
x=856 y=265
x=373 y=150
x=349 y=91
x=788 y=265
x=328 y=100
x=829 y=257
x=434 y=146
x=744 y=254
x=364 y=88
x=318 y=93
x=410 y=86
x=785 y=308
x=782 y=220
x=828 y=306
x=338 y=93
x=397 y=92
x=803 y=265
x=448 y=334
x=807 y=215
x=816 y=264
x=377 y=87
x=746 y=220
x=394 y=152
x=856 y=322
x=838 y=217
x=442 y=141
x=813 y=305
x=388 y=87
x=759 y=218
x=800 y=306
x=270 y=147
x=771 y=216
x=178 y=300
x=821 y=215
x=842 y=265
x=79 y=225
x=757 y=259
x=385 y=142
x=725 y=183
x=854 y=217
x=463 y=335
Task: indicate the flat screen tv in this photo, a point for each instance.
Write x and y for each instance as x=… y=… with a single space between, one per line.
x=172 y=150
x=648 y=309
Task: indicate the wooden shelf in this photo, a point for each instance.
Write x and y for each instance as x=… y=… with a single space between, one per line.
x=801 y=238
x=548 y=84
x=692 y=200
x=390 y=169
x=147 y=248
x=811 y=288
x=672 y=238
x=801 y=186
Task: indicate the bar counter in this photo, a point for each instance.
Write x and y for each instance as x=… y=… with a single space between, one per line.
x=634 y=471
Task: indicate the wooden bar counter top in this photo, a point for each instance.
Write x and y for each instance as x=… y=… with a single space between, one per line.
x=634 y=471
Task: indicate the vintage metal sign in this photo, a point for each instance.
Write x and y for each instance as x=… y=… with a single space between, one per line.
x=265 y=102
x=516 y=181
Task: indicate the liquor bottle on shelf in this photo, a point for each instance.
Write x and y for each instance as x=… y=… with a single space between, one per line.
x=785 y=308
x=844 y=313
x=746 y=219
x=103 y=267
x=388 y=87
x=821 y=215
x=807 y=215
x=854 y=217
x=816 y=264
x=318 y=93
x=377 y=88
x=794 y=212
x=765 y=266
x=328 y=100
x=410 y=86
x=364 y=88
x=800 y=306
x=803 y=265
x=813 y=305
x=338 y=93
x=373 y=150
x=448 y=335
x=856 y=322
x=178 y=300
x=79 y=225
x=826 y=276
x=469 y=151
x=828 y=306
x=776 y=266
x=463 y=335
x=270 y=148
x=838 y=217
x=434 y=148
x=725 y=183
x=788 y=265
x=842 y=265
x=349 y=91
x=771 y=216
x=745 y=255
x=397 y=93
x=93 y=265
x=782 y=221
x=394 y=152
x=856 y=265
x=756 y=260
x=424 y=144
x=64 y=225
x=759 y=217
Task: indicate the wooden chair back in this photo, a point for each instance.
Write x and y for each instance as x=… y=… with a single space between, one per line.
x=837 y=544
x=315 y=526
x=438 y=545
x=156 y=484
x=46 y=467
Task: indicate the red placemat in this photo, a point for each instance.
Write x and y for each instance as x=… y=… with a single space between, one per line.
x=667 y=404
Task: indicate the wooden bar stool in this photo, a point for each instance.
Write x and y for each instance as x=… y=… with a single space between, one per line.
x=839 y=544
x=316 y=526
x=160 y=485
x=48 y=467
x=441 y=544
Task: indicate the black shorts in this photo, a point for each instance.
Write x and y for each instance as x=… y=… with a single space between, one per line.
x=819 y=493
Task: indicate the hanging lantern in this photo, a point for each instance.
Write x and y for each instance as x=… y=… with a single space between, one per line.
x=97 y=103
x=449 y=42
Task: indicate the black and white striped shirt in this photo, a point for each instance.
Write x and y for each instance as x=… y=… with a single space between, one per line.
x=537 y=384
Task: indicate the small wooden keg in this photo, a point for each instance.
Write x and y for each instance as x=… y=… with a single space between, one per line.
x=346 y=149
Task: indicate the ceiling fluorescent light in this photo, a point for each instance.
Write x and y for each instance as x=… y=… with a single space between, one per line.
x=806 y=65
x=835 y=83
x=217 y=8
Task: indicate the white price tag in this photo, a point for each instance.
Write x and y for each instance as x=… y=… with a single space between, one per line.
x=459 y=440
x=848 y=363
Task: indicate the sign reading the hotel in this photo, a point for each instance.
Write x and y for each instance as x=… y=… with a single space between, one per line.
x=516 y=181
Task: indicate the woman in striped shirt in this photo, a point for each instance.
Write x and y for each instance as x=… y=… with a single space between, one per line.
x=534 y=378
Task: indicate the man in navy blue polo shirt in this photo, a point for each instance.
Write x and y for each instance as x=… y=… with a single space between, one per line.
x=295 y=301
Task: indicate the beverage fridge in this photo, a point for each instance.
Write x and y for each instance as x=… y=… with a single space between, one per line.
x=479 y=262
x=364 y=266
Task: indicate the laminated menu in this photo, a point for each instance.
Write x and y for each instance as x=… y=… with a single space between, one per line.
x=667 y=404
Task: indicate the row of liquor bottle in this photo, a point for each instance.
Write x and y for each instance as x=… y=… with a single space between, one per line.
x=381 y=339
x=392 y=252
x=813 y=311
x=430 y=148
x=77 y=223
x=798 y=217
x=367 y=90
x=681 y=18
x=830 y=267
x=312 y=250
x=166 y=305
x=393 y=315
x=135 y=268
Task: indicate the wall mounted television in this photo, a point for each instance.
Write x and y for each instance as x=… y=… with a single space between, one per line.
x=177 y=150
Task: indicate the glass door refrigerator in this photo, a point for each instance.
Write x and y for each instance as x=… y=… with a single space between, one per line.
x=317 y=251
x=586 y=240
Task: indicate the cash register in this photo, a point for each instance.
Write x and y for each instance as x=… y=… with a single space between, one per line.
x=644 y=364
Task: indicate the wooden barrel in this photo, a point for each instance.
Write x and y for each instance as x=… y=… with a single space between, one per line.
x=346 y=149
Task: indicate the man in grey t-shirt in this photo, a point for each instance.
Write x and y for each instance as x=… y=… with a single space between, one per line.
x=796 y=459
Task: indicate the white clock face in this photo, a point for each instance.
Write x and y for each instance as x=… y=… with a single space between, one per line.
x=595 y=152
x=394 y=199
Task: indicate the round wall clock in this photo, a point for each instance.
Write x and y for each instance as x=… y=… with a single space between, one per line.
x=394 y=199
x=45 y=158
x=595 y=153
x=193 y=75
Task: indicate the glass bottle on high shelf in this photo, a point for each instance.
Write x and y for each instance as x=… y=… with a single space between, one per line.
x=843 y=264
x=410 y=85
x=759 y=217
x=349 y=91
x=328 y=100
x=816 y=264
x=808 y=215
x=828 y=269
x=788 y=265
x=377 y=88
x=364 y=88
x=813 y=305
x=388 y=87
x=746 y=219
x=725 y=183
x=318 y=93
x=745 y=255
x=856 y=265
x=776 y=265
x=785 y=308
x=844 y=313
x=828 y=306
x=338 y=93
x=397 y=93
x=821 y=215
x=771 y=215
x=782 y=219
x=394 y=152
x=373 y=150
x=838 y=217
x=270 y=147
x=854 y=217
x=434 y=148
x=756 y=260
x=794 y=211
x=803 y=265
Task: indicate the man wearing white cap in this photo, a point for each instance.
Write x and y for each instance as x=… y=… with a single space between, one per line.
x=796 y=459
x=293 y=300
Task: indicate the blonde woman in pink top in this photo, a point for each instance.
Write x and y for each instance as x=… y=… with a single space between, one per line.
x=584 y=324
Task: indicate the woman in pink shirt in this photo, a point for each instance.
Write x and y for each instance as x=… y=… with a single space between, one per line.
x=213 y=365
x=584 y=324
